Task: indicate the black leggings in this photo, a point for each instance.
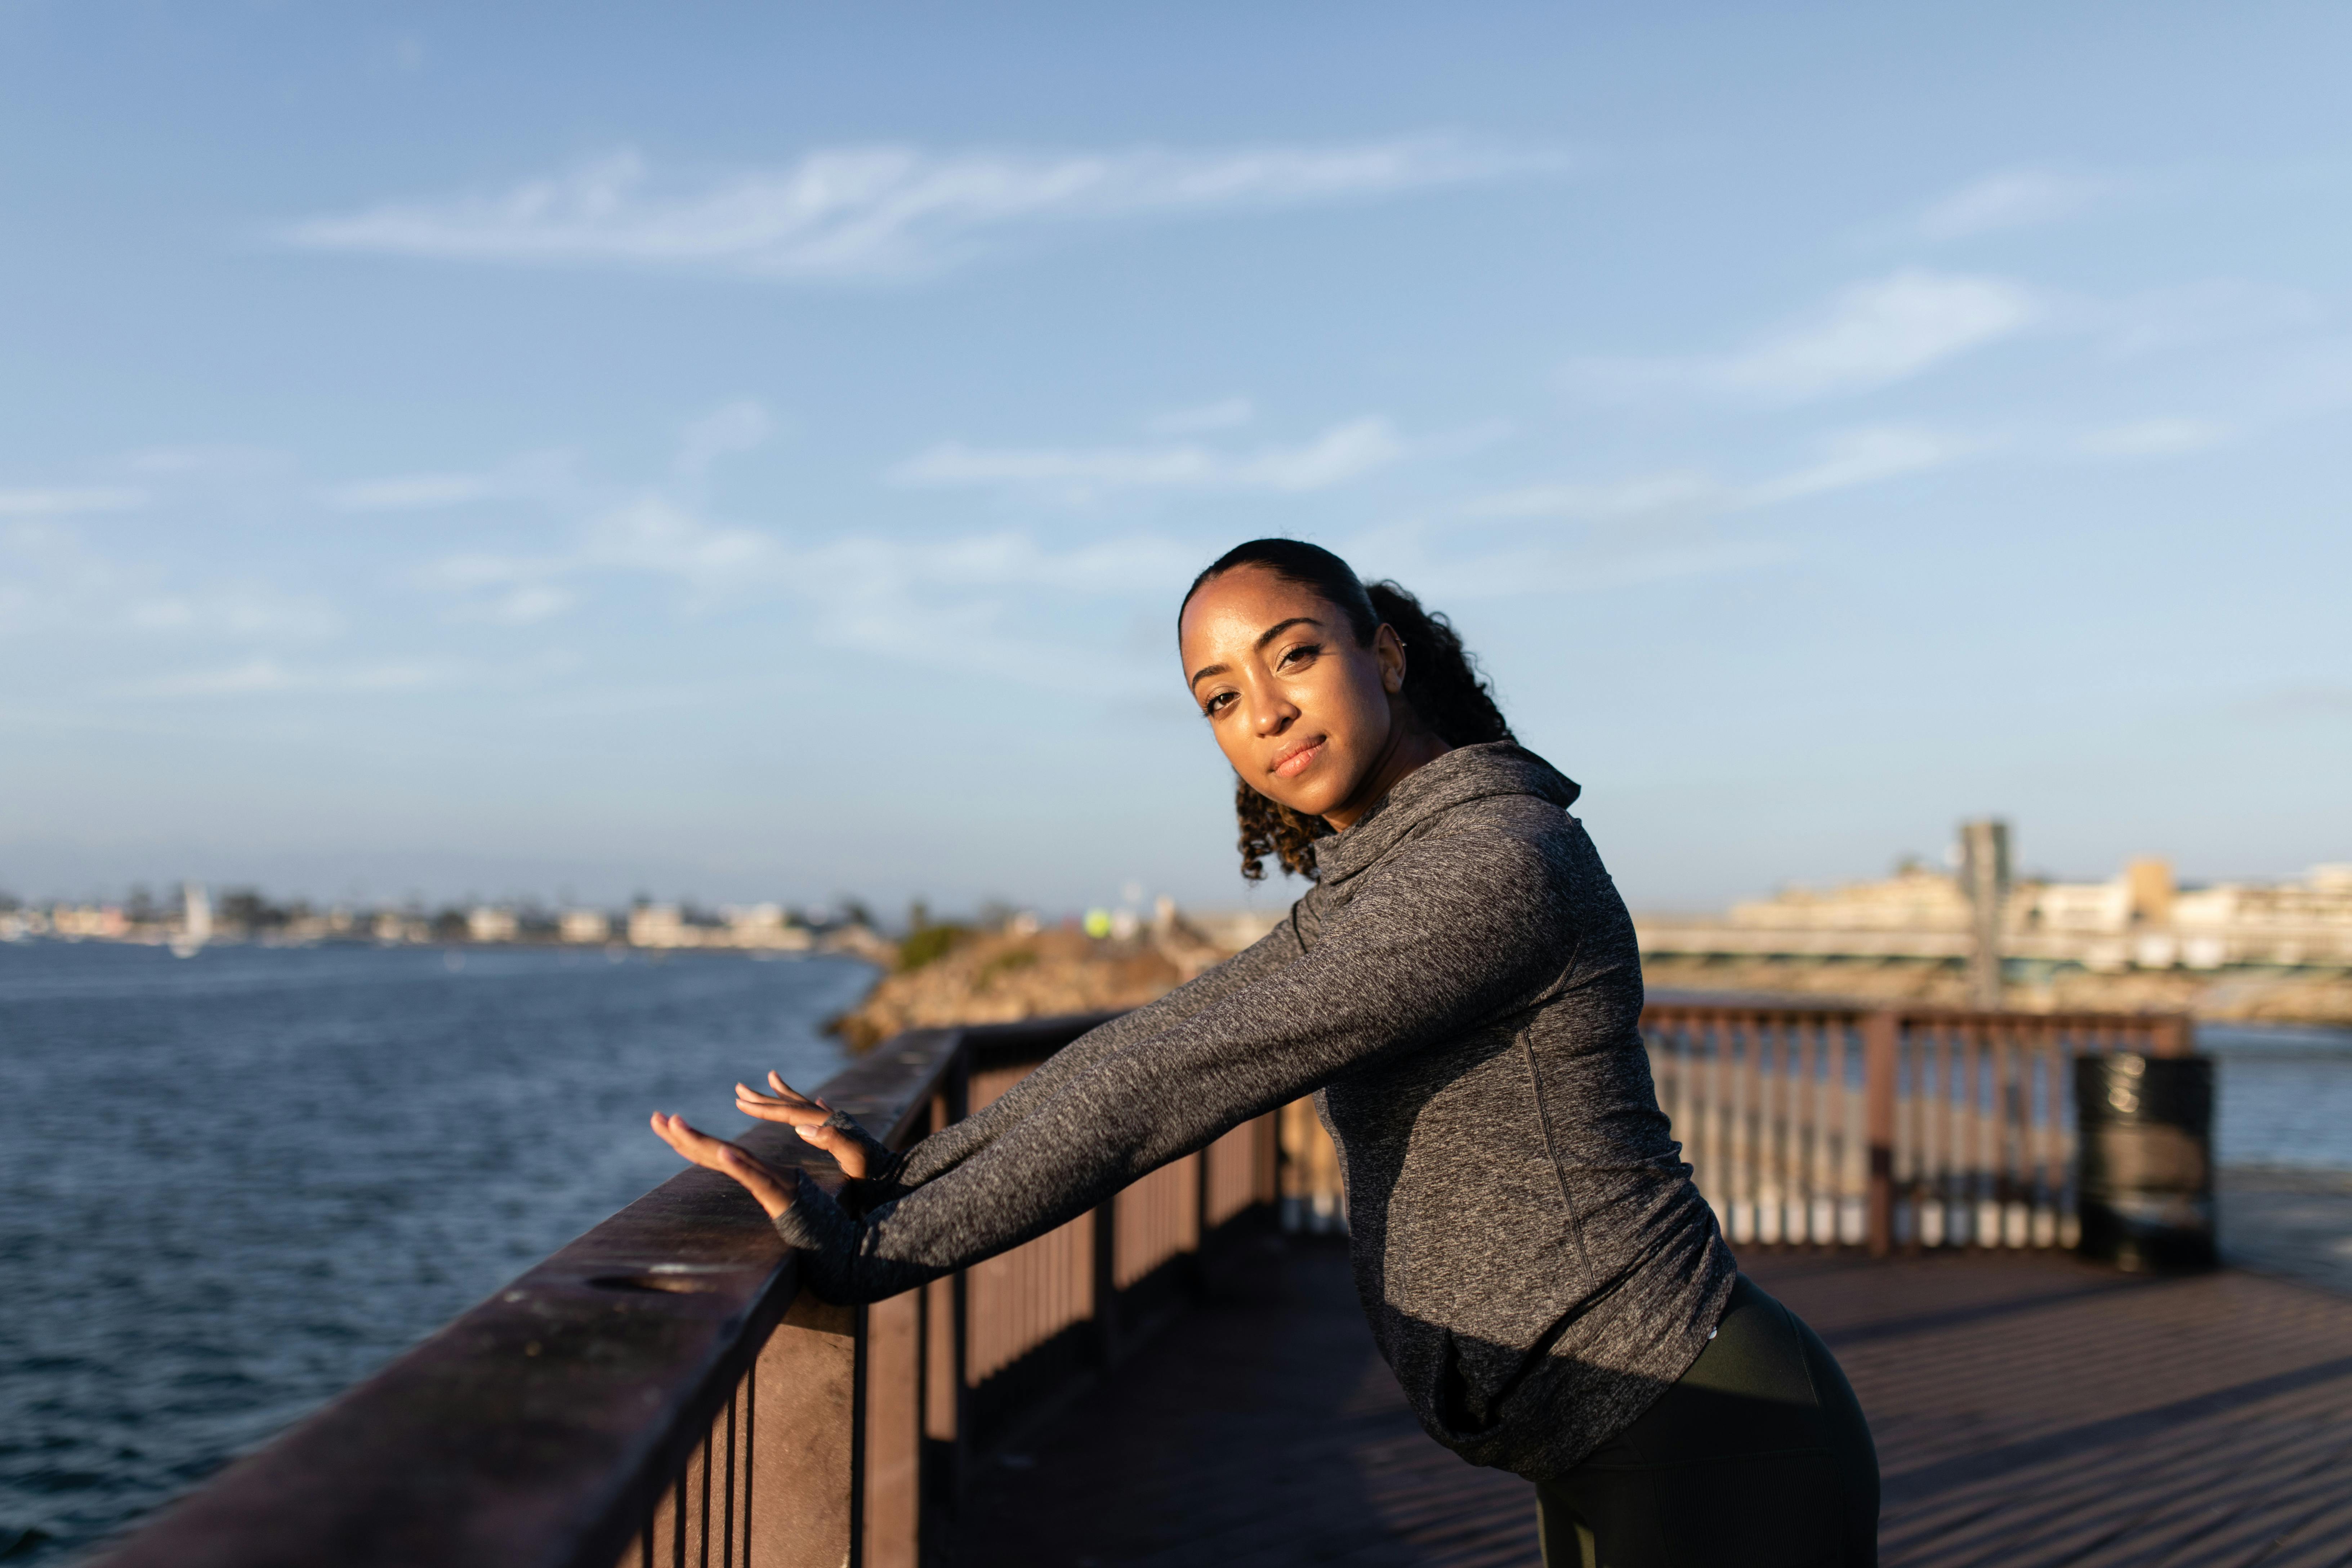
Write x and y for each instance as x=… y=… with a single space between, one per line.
x=1759 y=1457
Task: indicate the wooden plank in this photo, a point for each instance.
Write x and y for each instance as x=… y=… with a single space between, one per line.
x=804 y=1462
x=1881 y=1041
x=894 y=1431
x=2030 y=1410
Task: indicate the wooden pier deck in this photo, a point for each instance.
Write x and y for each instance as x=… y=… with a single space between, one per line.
x=2030 y=1409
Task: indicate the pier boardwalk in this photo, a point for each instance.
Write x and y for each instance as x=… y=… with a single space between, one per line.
x=2029 y=1409
x=1171 y=1379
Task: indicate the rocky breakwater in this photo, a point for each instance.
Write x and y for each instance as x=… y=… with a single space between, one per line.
x=945 y=974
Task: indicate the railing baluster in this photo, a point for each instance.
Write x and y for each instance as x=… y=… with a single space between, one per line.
x=1882 y=1045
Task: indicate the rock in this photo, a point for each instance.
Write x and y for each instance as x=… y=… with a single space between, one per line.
x=998 y=976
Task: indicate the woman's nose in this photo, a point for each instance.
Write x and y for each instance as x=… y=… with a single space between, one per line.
x=1274 y=718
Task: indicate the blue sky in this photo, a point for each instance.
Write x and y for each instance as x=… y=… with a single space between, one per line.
x=755 y=450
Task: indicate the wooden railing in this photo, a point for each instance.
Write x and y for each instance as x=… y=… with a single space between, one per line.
x=1824 y=1125
x=1886 y=1128
x=661 y=1393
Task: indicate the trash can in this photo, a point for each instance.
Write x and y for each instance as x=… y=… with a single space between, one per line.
x=2144 y=1187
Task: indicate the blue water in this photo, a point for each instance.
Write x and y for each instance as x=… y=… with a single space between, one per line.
x=2286 y=1095
x=232 y=1184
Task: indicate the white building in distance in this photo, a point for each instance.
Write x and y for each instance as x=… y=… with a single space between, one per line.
x=2138 y=918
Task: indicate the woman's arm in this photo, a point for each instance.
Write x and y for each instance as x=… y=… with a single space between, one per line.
x=1454 y=931
x=887 y=1175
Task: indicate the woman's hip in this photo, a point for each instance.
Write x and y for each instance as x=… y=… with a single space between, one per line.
x=1759 y=1456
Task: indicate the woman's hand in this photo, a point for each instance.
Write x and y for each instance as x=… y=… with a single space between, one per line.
x=775 y=1190
x=806 y=1117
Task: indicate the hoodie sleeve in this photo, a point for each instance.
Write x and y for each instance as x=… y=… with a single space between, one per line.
x=1451 y=930
x=891 y=1175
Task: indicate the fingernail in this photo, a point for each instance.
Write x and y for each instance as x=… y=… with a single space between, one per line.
x=808 y=1133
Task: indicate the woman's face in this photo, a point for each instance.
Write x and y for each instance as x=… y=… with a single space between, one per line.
x=1300 y=710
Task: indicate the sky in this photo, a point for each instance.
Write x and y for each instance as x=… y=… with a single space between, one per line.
x=750 y=451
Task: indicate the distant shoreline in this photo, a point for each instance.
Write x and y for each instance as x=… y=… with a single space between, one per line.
x=2248 y=995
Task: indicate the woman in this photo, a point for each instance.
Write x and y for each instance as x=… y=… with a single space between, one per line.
x=1461 y=991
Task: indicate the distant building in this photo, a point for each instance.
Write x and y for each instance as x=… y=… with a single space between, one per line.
x=765 y=927
x=2138 y=918
x=391 y=926
x=661 y=925
x=485 y=922
x=587 y=927
x=106 y=922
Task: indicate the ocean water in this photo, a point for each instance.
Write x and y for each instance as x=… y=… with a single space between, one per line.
x=2286 y=1095
x=231 y=1185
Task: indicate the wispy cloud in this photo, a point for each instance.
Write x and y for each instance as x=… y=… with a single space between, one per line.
x=2012 y=198
x=1847 y=458
x=1622 y=501
x=963 y=602
x=410 y=493
x=1856 y=457
x=655 y=535
x=737 y=426
x=1549 y=567
x=1344 y=452
x=1222 y=415
x=52 y=581
x=265 y=676
x=217 y=461
x=862 y=212
x=1869 y=335
x=2192 y=315
x=66 y=502
x=2154 y=437
x=536 y=475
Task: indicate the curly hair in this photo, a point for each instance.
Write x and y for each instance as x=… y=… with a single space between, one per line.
x=1442 y=685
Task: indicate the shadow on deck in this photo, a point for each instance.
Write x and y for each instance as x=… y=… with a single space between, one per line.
x=2029 y=1409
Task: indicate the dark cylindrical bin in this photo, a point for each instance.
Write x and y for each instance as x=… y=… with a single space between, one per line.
x=2145 y=1157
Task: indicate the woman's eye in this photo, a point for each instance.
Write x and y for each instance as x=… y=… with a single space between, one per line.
x=1217 y=704
x=1300 y=654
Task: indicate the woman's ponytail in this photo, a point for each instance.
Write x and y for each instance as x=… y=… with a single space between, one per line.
x=1440 y=679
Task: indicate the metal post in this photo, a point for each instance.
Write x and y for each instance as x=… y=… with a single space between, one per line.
x=1984 y=880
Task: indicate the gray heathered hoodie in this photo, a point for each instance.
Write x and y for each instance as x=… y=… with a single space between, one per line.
x=1462 y=988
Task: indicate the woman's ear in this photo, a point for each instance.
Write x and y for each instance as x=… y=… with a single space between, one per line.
x=1389 y=648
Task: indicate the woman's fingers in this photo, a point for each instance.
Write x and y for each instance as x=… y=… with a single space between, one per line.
x=793 y=1112
x=688 y=1140
x=772 y=1189
x=846 y=1150
x=786 y=1106
x=776 y=1082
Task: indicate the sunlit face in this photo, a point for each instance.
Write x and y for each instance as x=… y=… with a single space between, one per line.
x=1301 y=712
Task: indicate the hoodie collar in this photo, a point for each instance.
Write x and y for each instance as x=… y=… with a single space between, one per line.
x=1463 y=774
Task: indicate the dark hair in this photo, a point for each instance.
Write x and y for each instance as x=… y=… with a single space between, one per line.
x=1442 y=684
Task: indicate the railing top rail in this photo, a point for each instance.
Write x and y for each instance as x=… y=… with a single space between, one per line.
x=532 y=1431
x=1699 y=1004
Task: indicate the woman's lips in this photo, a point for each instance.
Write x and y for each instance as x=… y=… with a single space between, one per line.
x=1299 y=758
